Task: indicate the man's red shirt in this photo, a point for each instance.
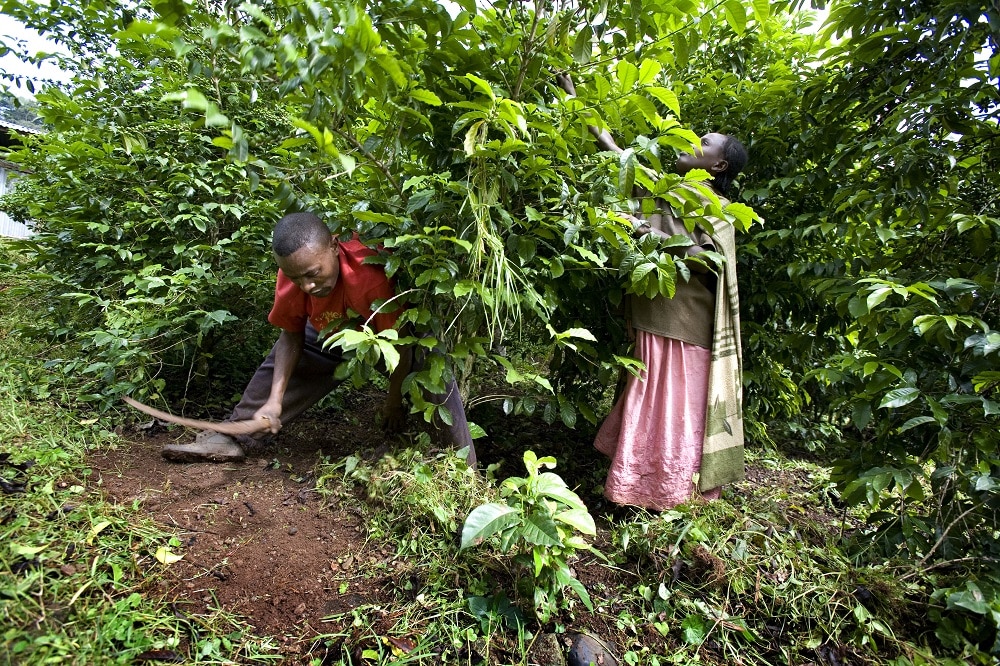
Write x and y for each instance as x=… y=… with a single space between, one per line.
x=357 y=289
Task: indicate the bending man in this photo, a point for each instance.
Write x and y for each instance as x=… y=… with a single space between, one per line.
x=322 y=283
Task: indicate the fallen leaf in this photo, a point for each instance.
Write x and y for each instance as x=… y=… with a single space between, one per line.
x=166 y=556
x=97 y=529
x=404 y=645
x=18 y=549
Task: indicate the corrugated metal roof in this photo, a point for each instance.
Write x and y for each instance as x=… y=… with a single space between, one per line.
x=18 y=128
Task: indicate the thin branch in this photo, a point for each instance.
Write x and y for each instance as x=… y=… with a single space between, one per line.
x=945 y=563
x=382 y=167
x=529 y=48
x=944 y=534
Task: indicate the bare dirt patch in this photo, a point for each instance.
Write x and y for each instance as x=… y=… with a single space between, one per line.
x=257 y=540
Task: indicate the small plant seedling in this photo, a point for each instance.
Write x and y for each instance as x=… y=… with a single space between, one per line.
x=541 y=524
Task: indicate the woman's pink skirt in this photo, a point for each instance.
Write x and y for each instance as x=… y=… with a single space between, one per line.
x=655 y=433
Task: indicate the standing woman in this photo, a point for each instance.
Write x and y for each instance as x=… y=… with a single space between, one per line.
x=677 y=428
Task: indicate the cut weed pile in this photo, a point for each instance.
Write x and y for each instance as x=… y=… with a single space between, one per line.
x=336 y=547
x=756 y=578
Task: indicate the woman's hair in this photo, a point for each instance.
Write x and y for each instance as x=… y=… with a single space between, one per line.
x=736 y=155
x=297 y=230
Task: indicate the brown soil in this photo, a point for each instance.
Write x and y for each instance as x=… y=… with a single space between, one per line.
x=258 y=541
x=256 y=538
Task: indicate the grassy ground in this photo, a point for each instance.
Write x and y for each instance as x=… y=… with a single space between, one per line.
x=76 y=573
x=764 y=576
x=758 y=578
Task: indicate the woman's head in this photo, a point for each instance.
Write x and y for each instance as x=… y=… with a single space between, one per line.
x=721 y=155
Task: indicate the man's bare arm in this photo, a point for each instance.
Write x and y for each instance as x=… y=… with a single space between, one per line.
x=287 y=352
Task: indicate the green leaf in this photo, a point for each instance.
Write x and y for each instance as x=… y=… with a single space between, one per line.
x=681 y=48
x=971 y=599
x=97 y=529
x=391 y=67
x=549 y=484
x=899 y=397
x=916 y=421
x=581 y=592
x=666 y=97
x=628 y=75
x=648 y=71
x=369 y=216
x=425 y=96
x=445 y=415
x=626 y=172
x=540 y=530
x=877 y=296
x=761 y=10
x=647 y=108
x=744 y=214
x=390 y=354
x=583 y=45
x=472 y=137
x=694 y=629
x=464 y=288
x=578 y=333
x=861 y=415
x=26 y=551
x=736 y=16
x=348 y=162
x=925 y=323
x=579 y=519
x=481 y=84
x=567 y=413
x=486 y=520
x=642 y=270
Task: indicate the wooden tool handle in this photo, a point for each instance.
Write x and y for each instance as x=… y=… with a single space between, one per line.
x=225 y=427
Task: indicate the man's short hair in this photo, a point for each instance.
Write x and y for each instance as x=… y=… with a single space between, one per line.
x=297 y=230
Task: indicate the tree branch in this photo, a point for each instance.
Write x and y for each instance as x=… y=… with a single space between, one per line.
x=381 y=166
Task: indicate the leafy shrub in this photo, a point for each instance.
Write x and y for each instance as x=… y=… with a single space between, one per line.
x=158 y=245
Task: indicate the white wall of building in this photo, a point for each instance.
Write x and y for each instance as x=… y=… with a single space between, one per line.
x=9 y=227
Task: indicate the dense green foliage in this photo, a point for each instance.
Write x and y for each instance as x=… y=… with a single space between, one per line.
x=869 y=295
x=890 y=225
x=761 y=577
